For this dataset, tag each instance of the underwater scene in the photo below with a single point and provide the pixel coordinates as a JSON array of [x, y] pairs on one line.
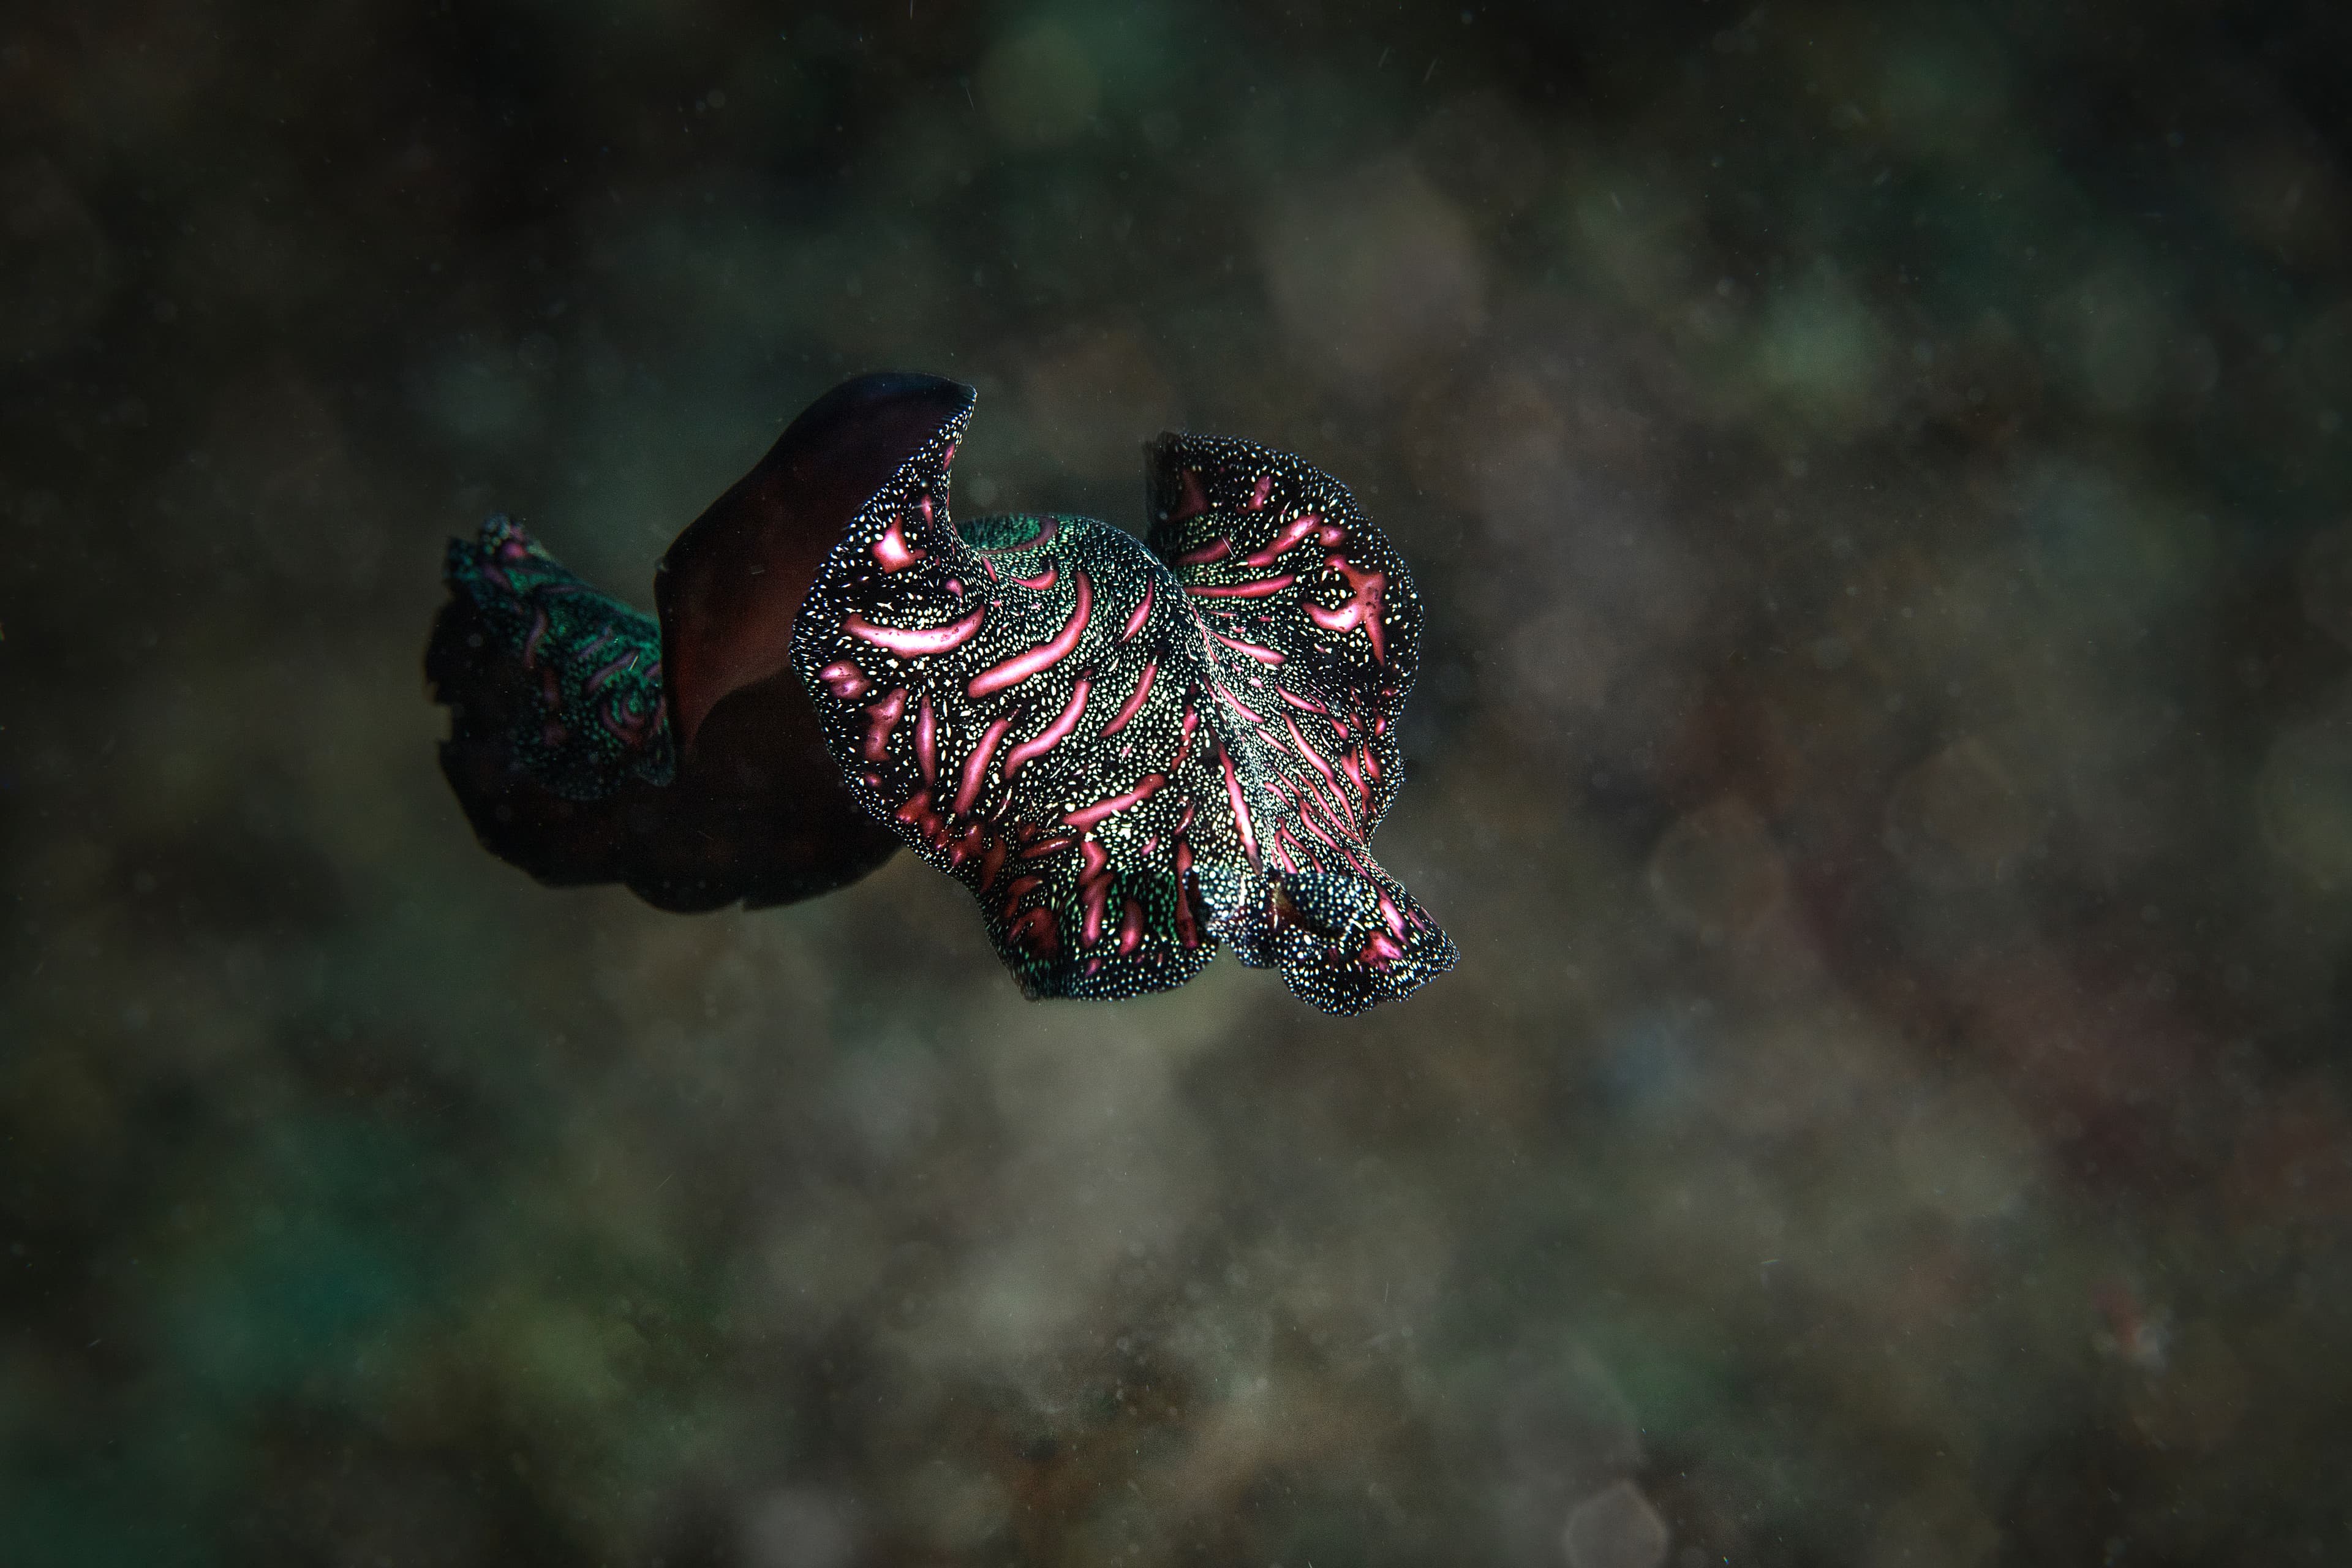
[[827, 786]]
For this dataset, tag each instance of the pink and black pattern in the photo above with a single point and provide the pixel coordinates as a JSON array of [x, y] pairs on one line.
[[1129, 754]]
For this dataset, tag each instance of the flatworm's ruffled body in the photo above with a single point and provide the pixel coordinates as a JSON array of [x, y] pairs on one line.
[[1130, 753]]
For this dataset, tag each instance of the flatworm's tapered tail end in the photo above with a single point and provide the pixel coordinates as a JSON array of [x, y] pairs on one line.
[[1345, 942], [554, 697], [561, 754], [560, 842]]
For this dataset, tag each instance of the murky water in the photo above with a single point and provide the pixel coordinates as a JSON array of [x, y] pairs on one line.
[[1877, 484]]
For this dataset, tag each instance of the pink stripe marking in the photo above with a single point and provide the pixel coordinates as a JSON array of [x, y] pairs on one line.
[[1259, 491], [1371, 763], [1142, 612], [1237, 705], [1281, 855], [1094, 892], [1265, 587], [1344, 818], [892, 550], [1312, 799], [1052, 735], [926, 740], [1020, 888], [1035, 930], [1306, 820], [1304, 704], [882, 718], [975, 767], [1362, 608], [916, 813], [1306, 800], [917, 641], [1355, 775], [843, 679], [1314, 758], [1241, 810], [1296, 528], [1088, 817], [1022, 666], [1335, 807], [1043, 847], [1266, 656], [1193, 501], [1216, 549], [1130, 928], [1183, 749], [1134, 703], [596, 681], [1043, 581], [1320, 767]]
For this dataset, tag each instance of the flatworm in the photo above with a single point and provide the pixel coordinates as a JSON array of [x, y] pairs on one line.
[[1127, 751]]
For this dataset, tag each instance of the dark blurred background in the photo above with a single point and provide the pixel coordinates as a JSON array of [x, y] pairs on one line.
[[1879, 475]]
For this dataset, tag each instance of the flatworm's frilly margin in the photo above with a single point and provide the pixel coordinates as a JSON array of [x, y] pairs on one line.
[[1130, 753]]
